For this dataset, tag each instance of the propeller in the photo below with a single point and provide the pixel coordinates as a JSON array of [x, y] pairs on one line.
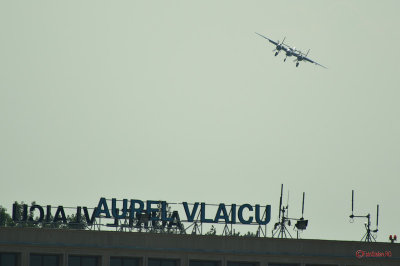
[[280, 44]]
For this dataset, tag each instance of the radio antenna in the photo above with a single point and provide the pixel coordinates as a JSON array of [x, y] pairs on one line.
[[368, 236], [302, 208], [280, 228], [280, 202], [377, 218], [301, 223], [352, 202], [287, 205]]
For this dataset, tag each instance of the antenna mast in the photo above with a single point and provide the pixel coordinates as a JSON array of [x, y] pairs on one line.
[[368, 236], [301, 223], [280, 228]]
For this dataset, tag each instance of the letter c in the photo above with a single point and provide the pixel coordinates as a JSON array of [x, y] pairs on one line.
[[240, 214]]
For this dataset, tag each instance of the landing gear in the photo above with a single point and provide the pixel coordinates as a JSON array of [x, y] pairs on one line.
[[284, 60], [276, 53], [297, 64]]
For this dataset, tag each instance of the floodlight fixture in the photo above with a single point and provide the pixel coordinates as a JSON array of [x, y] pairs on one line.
[[301, 224]]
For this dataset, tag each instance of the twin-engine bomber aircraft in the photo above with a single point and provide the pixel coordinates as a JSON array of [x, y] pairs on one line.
[[289, 51]]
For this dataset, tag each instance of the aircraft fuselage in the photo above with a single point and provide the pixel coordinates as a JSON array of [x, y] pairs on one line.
[[289, 52]]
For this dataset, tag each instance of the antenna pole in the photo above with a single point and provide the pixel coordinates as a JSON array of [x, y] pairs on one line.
[[368, 236], [368, 239], [287, 204], [352, 202], [377, 216], [280, 227], [280, 202], [302, 209]]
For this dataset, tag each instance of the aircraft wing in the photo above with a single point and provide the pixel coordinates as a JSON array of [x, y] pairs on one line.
[[311, 61], [271, 41]]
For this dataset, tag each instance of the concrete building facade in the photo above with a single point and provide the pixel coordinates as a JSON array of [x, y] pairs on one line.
[[56, 247]]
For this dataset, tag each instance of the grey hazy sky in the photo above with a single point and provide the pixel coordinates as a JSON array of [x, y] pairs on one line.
[[181, 101]]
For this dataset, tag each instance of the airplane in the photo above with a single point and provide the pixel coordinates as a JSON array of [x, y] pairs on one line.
[[289, 51]]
